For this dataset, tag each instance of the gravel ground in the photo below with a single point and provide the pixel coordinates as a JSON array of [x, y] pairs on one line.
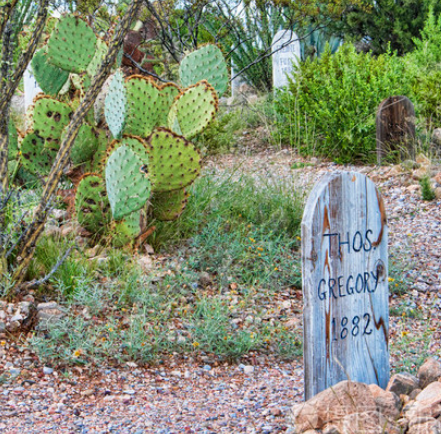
[[194, 396]]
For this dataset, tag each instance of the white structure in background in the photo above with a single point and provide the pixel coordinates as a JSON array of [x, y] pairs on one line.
[[31, 87], [237, 82], [283, 58]]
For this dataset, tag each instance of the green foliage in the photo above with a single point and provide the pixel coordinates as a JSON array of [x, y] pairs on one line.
[[207, 63], [174, 162], [330, 106], [193, 110], [115, 105], [50, 117], [72, 44], [37, 157], [49, 77], [427, 191], [92, 205], [386, 24], [127, 182]]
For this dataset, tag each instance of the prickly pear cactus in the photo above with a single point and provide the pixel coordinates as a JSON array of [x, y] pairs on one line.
[[142, 106], [71, 45], [193, 110], [167, 94], [125, 231], [127, 181], [85, 145], [100, 52], [206, 63], [37, 156], [174, 162], [115, 105], [50, 78], [50, 117], [91, 204], [136, 144], [169, 205]]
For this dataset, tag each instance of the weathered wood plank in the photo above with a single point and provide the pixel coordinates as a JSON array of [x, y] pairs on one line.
[[395, 125], [345, 283]]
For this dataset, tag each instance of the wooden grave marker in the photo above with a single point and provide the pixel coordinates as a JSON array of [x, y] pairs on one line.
[[395, 125], [345, 283]]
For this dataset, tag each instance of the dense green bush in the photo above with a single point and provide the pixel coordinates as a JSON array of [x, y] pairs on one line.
[[329, 107], [330, 104]]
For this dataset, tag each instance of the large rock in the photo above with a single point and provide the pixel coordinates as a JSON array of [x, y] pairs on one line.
[[424, 425], [403, 383], [48, 314], [427, 403], [429, 372], [370, 422], [332, 405], [387, 403]]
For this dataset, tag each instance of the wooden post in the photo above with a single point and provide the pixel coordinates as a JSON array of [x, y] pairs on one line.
[[395, 124], [345, 283]]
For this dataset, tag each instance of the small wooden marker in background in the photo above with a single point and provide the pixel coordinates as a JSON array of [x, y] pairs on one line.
[[345, 283], [395, 125]]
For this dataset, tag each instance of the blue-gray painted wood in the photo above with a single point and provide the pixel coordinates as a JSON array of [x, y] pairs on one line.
[[345, 283]]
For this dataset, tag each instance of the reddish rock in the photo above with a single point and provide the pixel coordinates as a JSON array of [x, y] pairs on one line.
[[425, 425], [403, 384], [429, 372], [332, 405], [388, 403]]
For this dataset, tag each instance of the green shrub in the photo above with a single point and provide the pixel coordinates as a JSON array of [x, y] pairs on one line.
[[427, 192], [330, 105]]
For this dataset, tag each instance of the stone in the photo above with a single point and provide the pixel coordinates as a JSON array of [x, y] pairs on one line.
[[59, 214], [438, 192], [433, 390], [424, 408], [145, 262], [423, 160], [47, 370], [332, 405], [387, 403], [205, 279], [330, 429], [369, 422], [403, 383], [424, 426], [345, 283], [250, 369], [48, 314], [286, 53], [52, 231], [436, 136], [409, 165], [421, 172]]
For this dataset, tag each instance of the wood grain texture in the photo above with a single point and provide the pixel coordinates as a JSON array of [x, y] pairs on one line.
[[345, 283], [395, 125]]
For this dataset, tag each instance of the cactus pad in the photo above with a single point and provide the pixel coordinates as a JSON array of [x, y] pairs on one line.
[[37, 157], [85, 145], [193, 110], [136, 144], [126, 230], [13, 141], [169, 205], [142, 106], [174, 162], [50, 117], [206, 63], [91, 204], [100, 53], [127, 181], [168, 93], [50, 78], [115, 105], [71, 45]]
